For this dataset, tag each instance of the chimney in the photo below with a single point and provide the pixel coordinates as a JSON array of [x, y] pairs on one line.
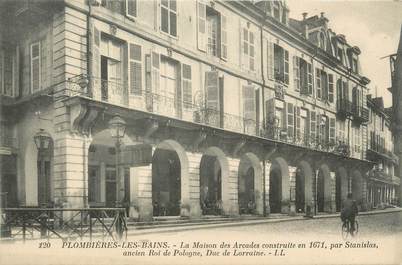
[[304, 14], [322, 14]]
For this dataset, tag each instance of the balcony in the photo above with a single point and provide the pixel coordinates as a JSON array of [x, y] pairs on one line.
[[344, 107], [169, 106], [360, 113], [376, 150]]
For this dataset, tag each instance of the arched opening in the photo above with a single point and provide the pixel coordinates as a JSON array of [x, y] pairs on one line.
[[103, 178], [249, 185], [210, 185], [279, 186], [341, 187], [166, 183], [214, 186], [303, 192], [323, 189]]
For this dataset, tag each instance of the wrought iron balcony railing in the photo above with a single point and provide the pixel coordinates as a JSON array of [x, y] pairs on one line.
[[344, 107], [170, 106], [360, 113]]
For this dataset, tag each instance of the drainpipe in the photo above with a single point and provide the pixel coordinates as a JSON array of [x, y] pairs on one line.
[[89, 50], [264, 193]]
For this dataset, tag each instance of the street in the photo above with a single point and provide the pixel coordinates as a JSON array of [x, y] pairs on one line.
[[314, 241]]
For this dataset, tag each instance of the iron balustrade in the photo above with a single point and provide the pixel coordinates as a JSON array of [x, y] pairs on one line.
[[171, 106], [344, 107], [64, 223]]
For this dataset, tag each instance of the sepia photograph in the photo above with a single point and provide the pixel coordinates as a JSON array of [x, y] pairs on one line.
[[200, 132]]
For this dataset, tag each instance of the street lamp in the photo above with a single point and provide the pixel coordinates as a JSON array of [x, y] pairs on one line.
[[117, 128], [42, 141]]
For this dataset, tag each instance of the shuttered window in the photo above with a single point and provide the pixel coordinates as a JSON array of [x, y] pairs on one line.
[[248, 48], [224, 48], [332, 130], [270, 60], [249, 103], [296, 72], [318, 82], [35, 67], [169, 17], [251, 50], [7, 70], [290, 120], [155, 72], [331, 88], [131, 8], [187, 89], [212, 95], [298, 119], [313, 125], [201, 26], [135, 69], [310, 78], [286, 66]]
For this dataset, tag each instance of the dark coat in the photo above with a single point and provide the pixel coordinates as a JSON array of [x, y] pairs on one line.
[[349, 208]]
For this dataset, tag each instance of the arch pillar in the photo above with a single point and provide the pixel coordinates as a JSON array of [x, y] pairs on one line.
[[193, 201], [292, 191], [267, 170], [230, 198]]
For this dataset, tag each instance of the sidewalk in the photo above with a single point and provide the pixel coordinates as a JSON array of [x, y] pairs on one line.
[[132, 231]]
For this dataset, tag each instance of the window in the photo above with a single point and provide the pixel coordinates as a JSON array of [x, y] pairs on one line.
[[303, 76], [325, 85], [355, 67], [321, 41], [169, 17], [277, 12], [281, 64], [212, 32], [35, 67], [8, 72], [114, 5], [187, 89], [340, 55], [131, 8], [248, 48], [135, 70]]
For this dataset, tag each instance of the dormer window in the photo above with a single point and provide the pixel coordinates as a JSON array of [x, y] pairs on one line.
[[277, 12], [321, 41], [340, 55]]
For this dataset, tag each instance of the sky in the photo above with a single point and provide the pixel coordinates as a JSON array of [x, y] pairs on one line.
[[373, 26]]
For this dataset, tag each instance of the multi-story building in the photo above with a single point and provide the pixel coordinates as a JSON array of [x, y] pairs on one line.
[[230, 107], [383, 185]]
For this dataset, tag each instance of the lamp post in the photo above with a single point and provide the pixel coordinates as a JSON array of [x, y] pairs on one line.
[[42, 141], [117, 128]]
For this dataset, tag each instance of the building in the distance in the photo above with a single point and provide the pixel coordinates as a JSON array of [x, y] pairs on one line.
[[383, 185], [215, 107]]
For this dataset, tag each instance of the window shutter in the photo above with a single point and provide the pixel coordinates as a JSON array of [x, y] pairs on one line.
[[249, 109], [290, 120], [131, 8], [332, 130], [331, 88], [324, 85], [251, 50], [318, 82], [187, 89], [313, 126], [244, 46], [345, 90], [9, 62], [249, 103], [201, 25], [286, 66], [310, 78], [155, 72], [35, 67], [296, 73], [135, 69], [298, 132], [212, 102], [270, 60], [270, 112], [224, 48]]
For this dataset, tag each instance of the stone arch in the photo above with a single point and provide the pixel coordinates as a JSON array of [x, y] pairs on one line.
[[215, 197], [172, 150], [250, 167], [279, 186], [304, 187], [341, 190], [324, 189]]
